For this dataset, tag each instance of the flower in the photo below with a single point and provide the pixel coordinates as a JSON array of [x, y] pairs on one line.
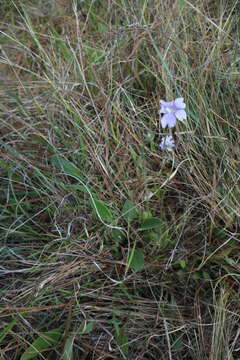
[[167, 143], [172, 111]]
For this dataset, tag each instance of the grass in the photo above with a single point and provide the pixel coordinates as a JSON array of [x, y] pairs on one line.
[[110, 247]]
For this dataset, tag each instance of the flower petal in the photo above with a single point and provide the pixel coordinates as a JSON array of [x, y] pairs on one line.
[[167, 103], [179, 103], [168, 120], [163, 103], [167, 143], [181, 115], [162, 110]]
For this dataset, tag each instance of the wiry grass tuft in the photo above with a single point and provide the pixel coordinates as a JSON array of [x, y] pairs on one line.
[[110, 247]]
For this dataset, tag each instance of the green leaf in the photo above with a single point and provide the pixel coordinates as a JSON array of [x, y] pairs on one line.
[[116, 323], [6, 330], [181, 4], [206, 275], [43, 342], [151, 223], [88, 328], [196, 276], [182, 263], [68, 348], [118, 235], [41, 140], [66, 166], [102, 27], [146, 215], [85, 328], [129, 211], [136, 260], [11, 150], [230, 261], [102, 211], [122, 341]]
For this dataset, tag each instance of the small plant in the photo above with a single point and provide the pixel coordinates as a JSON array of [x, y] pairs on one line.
[[167, 143], [172, 111]]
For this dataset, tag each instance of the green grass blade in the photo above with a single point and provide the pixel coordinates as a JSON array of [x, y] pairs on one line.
[[43, 342], [6, 330]]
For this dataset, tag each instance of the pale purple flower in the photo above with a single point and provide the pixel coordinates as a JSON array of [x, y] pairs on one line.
[[172, 111], [167, 143]]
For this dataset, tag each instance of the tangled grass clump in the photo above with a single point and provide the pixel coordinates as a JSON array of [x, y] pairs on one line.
[[110, 247]]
